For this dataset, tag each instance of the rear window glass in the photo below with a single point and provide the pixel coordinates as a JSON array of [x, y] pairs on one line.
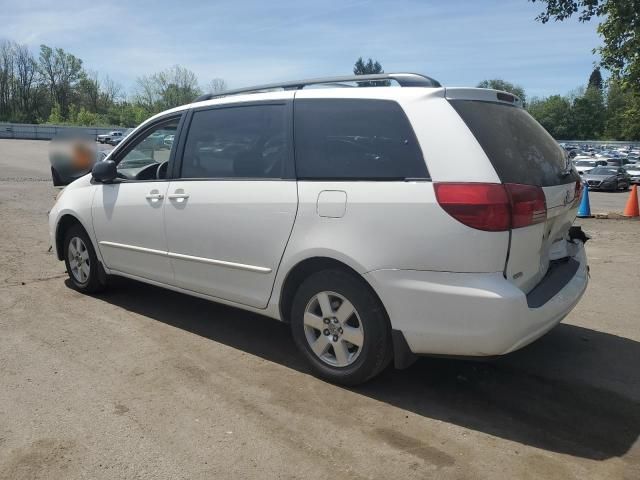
[[519, 148], [355, 139]]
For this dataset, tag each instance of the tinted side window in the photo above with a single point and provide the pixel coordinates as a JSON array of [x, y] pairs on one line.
[[237, 142], [355, 139]]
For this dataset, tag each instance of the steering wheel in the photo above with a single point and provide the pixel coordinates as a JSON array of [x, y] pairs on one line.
[[161, 172]]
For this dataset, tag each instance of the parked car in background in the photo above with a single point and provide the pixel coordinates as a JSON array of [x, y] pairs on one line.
[[117, 139], [168, 140], [607, 178], [617, 162], [370, 250], [106, 137], [583, 166], [633, 170]]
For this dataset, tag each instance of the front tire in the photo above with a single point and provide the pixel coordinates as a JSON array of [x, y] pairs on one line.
[[340, 327], [84, 269]]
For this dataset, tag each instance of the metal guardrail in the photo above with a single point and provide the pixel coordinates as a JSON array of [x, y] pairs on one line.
[[47, 132]]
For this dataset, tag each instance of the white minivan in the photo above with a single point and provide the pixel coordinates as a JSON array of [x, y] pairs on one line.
[[382, 216]]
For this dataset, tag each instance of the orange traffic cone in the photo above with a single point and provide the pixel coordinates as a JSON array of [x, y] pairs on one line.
[[631, 210]]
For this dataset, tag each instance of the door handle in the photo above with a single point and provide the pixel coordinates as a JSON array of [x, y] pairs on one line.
[[154, 196], [178, 196]]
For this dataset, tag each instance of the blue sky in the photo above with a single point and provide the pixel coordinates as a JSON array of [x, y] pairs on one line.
[[248, 42]]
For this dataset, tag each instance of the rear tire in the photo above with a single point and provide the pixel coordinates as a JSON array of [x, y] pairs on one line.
[[341, 327], [84, 269]]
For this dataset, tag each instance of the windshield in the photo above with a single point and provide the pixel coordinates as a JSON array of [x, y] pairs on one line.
[[150, 149], [603, 171], [585, 163]]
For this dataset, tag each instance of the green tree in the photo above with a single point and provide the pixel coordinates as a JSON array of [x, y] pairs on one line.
[[617, 103], [588, 115], [87, 118], [55, 117], [26, 95], [7, 67], [595, 79], [217, 85], [88, 92], [499, 84], [127, 114], [623, 113], [631, 118], [167, 89], [554, 114], [369, 67], [619, 28], [62, 71]]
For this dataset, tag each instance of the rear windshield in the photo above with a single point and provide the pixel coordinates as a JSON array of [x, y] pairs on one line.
[[519, 148]]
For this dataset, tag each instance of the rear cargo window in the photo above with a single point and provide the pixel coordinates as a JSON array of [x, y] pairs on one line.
[[355, 139], [519, 148]]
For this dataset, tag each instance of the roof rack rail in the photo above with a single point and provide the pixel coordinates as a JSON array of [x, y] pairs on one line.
[[403, 79]]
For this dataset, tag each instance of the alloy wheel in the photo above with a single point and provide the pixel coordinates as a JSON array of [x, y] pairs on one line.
[[79, 262], [333, 329]]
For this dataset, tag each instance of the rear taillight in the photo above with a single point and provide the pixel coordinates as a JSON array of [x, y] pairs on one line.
[[528, 205], [492, 207]]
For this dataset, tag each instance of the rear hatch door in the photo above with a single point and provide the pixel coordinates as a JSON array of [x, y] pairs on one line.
[[523, 152]]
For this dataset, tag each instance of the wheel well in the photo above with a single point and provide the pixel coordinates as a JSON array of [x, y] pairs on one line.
[[63, 225], [302, 271]]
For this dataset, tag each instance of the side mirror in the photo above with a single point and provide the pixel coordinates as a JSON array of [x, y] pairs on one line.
[[104, 171]]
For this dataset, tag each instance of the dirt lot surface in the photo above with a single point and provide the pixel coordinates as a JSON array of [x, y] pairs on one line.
[[608, 202], [140, 382]]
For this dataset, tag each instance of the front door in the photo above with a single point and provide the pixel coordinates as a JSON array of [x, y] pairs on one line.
[[229, 215], [128, 216]]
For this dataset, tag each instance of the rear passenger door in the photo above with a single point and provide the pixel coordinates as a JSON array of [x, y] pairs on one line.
[[231, 208]]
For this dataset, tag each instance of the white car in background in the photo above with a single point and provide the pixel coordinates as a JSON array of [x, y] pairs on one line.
[[396, 222], [107, 137], [584, 166], [633, 169]]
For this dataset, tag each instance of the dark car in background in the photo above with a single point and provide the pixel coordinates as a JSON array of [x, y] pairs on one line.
[[607, 178]]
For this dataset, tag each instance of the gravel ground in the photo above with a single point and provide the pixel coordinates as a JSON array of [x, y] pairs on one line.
[[608, 202], [139, 382]]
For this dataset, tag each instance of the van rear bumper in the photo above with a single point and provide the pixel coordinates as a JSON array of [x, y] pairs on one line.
[[477, 314]]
